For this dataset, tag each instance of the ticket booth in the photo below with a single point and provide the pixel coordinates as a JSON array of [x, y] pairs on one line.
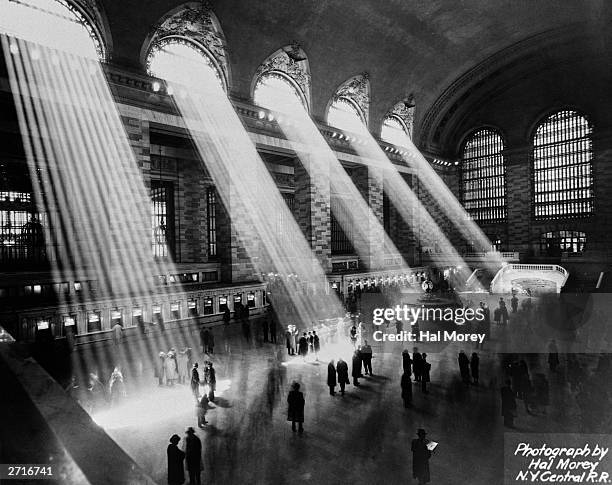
[[137, 318], [157, 317], [116, 317], [175, 310], [251, 300], [208, 306], [222, 304], [94, 321], [192, 307]]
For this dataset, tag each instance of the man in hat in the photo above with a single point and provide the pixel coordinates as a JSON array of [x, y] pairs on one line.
[[193, 456], [420, 458], [176, 471]]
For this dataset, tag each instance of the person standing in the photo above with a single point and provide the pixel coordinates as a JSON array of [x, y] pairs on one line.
[[183, 370], [204, 336], [343, 376], [406, 385], [176, 469], [295, 412], [425, 368], [193, 456], [420, 458], [117, 333], [201, 409], [503, 312], [272, 329], [417, 364], [303, 346], [464, 367], [508, 404], [514, 303], [366, 355], [289, 341], [316, 343], [356, 368], [210, 379], [171, 368], [331, 378], [475, 367], [160, 369], [195, 382], [406, 362]]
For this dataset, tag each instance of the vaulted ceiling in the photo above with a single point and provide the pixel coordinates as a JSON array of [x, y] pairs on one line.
[[419, 47]]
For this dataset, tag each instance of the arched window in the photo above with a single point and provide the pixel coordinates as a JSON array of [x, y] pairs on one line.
[[562, 154], [282, 81], [557, 242], [346, 115], [54, 23], [183, 62], [350, 104], [483, 176], [394, 131], [277, 92]]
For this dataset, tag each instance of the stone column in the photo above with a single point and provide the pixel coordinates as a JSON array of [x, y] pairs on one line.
[[312, 208], [369, 182]]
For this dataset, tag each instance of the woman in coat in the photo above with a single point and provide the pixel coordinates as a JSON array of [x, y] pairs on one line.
[[475, 367], [171, 368], [331, 378], [420, 458], [343, 375], [295, 413], [176, 470], [303, 346]]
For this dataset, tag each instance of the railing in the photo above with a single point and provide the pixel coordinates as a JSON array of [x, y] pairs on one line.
[[530, 267]]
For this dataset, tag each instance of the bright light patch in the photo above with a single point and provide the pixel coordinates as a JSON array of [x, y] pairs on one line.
[[393, 131], [182, 62], [52, 23], [344, 114], [168, 404], [275, 92]]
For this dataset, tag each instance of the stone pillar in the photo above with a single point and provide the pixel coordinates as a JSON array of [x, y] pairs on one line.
[[312, 208], [369, 182]]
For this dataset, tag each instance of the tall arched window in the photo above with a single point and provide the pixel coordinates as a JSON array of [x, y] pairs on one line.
[[483, 176], [277, 92], [182, 61], [349, 107], [562, 172], [394, 131], [53, 23]]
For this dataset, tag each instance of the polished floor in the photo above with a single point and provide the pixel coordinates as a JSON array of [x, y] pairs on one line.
[[360, 438]]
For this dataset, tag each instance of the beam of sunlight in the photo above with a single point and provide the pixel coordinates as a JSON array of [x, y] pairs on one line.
[[247, 190], [351, 209]]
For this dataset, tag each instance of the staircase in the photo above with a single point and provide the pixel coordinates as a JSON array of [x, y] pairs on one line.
[[535, 278]]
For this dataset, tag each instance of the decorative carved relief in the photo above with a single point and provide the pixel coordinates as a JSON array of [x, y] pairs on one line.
[[404, 110], [197, 24], [357, 89], [291, 61], [91, 16]]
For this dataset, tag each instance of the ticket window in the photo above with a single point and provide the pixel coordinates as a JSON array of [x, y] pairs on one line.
[[116, 318], [222, 304], [157, 316], [237, 299], [43, 329], [251, 300], [137, 318], [264, 295], [69, 324], [192, 307], [175, 310], [94, 322], [208, 306]]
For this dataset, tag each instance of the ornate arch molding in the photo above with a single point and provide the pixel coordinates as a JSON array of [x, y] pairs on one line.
[[404, 112], [355, 90], [93, 17], [290, 62], [456, 98], [196, 23]]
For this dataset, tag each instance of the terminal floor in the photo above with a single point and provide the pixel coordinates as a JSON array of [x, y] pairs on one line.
[[361, 438]]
